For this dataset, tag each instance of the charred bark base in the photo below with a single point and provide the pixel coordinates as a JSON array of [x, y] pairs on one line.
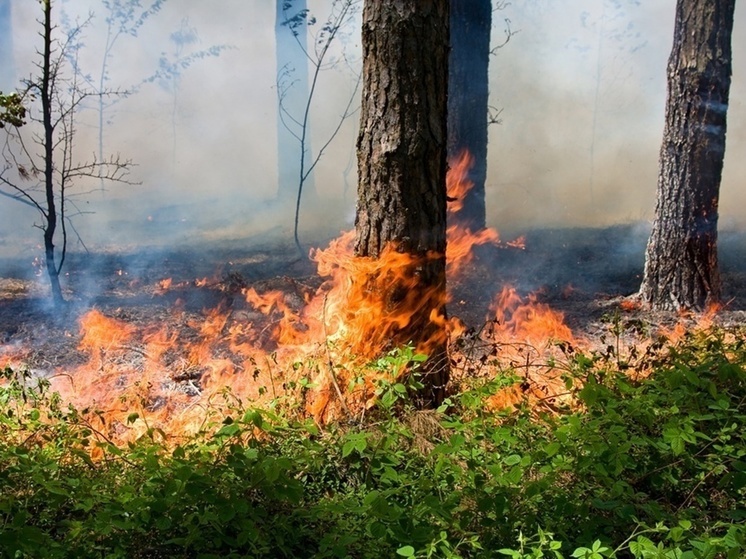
[[468, 101], [681, 272], [52, 272], [681, 261], [402, 166]]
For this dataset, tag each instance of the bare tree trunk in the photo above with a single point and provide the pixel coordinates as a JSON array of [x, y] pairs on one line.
[[681, 264], [402, 163], [51, 211], [468, 97]]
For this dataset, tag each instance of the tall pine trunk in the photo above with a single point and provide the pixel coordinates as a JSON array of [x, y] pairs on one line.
[[468, 97], [681, 264], [402, 162]]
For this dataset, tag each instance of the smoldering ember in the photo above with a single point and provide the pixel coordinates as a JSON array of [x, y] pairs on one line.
[[299, 205]]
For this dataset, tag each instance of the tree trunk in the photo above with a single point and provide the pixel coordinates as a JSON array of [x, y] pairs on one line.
[[46, 105], [292, 80], [681, 265], [402, 164], [468, 96]]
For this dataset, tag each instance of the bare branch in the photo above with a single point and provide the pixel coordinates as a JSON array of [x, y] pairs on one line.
[[508, 34]]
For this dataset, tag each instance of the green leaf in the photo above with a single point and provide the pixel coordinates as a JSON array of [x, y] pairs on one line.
[[512, 460], [552, 449], [685, 524], [229, 430], [406, 551], [347, 448], [400, 388]]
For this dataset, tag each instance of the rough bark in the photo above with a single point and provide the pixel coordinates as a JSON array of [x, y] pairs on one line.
[[402, 160], [468, 96], [681, 264]]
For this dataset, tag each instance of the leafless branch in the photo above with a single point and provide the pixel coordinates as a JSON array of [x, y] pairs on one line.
[[493, 115], [508, 35]]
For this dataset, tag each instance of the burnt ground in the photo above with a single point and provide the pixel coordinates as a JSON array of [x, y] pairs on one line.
[[583, 273]]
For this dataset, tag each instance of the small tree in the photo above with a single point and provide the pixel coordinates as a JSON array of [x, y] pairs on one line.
[[291, 40], [123, 18], [40, 168], [296, 119]]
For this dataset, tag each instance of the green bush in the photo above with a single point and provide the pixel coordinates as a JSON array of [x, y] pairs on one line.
[[654, 468]]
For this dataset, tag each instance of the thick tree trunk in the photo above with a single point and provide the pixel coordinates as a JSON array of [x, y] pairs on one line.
[[402, 163], [681, 265], [468, 96]]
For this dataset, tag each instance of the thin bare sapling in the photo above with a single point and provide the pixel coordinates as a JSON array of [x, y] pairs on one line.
[[40, 167], [321, 57]]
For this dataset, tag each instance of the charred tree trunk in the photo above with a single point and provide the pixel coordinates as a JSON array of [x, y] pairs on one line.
[[468, 96], [46, 94], [681, 265], [402, 162]]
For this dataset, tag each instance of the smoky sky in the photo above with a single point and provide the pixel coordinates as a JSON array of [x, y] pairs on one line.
[[6, 46], [581, 86]]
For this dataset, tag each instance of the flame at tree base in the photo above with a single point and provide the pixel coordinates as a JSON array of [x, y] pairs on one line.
[[310, 351]]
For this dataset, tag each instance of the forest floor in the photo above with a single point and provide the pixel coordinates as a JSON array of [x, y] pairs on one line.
[[584, 274]]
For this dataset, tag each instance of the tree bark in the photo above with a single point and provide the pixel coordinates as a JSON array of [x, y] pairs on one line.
[[402, 164], [468, 97], [681, 264], [47, 81]]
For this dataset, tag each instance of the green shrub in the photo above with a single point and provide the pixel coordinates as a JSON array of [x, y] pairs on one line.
[[647, 469]]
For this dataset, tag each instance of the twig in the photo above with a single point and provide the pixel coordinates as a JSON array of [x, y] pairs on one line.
[[330, 362]]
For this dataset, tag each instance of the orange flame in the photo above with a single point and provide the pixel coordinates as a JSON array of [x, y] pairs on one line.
[[527, 321], [461, 241], [168, 373]]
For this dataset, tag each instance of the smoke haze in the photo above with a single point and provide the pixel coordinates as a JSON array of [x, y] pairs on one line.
[[581, 86]]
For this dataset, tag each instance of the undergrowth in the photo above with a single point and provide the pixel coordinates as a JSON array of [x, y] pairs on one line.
[[651, 468]]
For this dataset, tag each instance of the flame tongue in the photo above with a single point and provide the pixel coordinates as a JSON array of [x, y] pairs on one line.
[[372, 301], [461, 240], [527, 321], [364, 307]]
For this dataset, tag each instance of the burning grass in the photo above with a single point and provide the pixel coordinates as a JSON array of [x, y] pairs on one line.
[[229, 417], [167, 349], [638, 467]]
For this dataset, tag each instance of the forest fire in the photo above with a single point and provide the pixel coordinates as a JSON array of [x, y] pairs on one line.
[[461, 241], [166, 373], [311, 347]]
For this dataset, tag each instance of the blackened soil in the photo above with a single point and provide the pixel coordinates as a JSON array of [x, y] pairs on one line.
[[583, 273]]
